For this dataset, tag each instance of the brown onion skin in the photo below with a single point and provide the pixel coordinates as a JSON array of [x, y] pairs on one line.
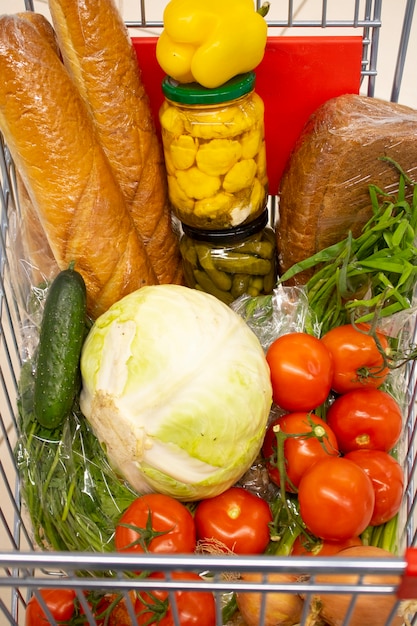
[[282, 609], [370, 609]]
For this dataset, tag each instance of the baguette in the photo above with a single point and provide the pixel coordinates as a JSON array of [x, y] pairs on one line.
[[39, 261], [99, 55], [37, 256], [43, 26], [53, 143], [324, 190]]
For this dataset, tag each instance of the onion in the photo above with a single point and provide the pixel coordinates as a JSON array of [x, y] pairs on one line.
[[370, 609], [282, 609]]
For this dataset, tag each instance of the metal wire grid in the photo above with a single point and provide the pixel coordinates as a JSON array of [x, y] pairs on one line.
[[23, 569], [366, 16]]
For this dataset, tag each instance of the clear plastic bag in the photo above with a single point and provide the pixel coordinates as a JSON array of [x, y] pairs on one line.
[[70, 493]]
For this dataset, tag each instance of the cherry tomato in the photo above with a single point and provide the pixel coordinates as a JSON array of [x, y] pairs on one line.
[[60, 602], [237, 518], [387, 478], [195, 608], [299, 452], [304, 547], [301, 371], [156, 523], [336, 499], [357, 359], [365, 418]]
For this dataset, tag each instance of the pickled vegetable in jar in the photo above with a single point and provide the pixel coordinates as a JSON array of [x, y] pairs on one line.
[[233, 262], [214, 147]]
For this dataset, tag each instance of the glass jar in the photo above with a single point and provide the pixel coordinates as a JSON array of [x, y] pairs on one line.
[[230, 263], [214, 147]]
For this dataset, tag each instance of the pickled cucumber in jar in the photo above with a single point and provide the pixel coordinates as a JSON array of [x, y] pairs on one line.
[[231, 263], [214, 148]]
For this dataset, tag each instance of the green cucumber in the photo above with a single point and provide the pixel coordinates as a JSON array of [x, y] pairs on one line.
[[62, 334]]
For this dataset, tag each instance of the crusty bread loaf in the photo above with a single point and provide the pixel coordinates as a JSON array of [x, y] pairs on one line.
[[324, 190], [36, 254], [98, 52], [70, 183], [43, 26]]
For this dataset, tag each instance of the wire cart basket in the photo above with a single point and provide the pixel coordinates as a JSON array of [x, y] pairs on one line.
[[24, 569]]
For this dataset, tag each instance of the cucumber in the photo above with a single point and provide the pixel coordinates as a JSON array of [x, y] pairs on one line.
[[62, 334]]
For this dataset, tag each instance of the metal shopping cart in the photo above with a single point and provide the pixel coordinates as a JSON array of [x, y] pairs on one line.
[[24, 569]]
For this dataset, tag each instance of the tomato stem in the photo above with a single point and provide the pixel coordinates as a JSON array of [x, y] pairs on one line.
[[284, 530], [145, 535], [283, 479], [294, 525], [157, 608], [362, 440]]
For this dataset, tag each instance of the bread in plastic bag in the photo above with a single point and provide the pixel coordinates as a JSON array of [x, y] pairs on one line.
[[324, 189]]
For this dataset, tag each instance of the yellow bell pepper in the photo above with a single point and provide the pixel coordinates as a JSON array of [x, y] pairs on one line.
[[211, 41]]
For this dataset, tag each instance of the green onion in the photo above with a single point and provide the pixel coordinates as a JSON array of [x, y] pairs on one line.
[[381, 262]]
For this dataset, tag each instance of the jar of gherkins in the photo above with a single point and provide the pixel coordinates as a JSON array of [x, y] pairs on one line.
[[214, 149], [233, 262]]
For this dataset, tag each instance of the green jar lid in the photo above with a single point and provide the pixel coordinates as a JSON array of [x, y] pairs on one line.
[[194, 93]]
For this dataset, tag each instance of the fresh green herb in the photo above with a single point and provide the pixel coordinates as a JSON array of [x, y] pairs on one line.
[[384, 536], [229, 607], [373, 274], [72, 495]]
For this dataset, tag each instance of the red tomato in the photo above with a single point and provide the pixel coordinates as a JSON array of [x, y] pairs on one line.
[[301, 371], [112, 610], [357, 359], [336, 499], [195, 608], [60, 602], [153, 513], [302, 547], [299, 452], [387, 478], [237, 518], [365, 418]]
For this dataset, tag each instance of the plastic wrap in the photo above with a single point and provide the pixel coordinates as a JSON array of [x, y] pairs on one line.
[[74, 495], [286, 310], [70, 493], [65, 170], [98, 53], [324, 189], [71, 497]]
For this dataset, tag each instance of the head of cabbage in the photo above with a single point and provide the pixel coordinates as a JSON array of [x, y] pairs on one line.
[[177, 389]]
